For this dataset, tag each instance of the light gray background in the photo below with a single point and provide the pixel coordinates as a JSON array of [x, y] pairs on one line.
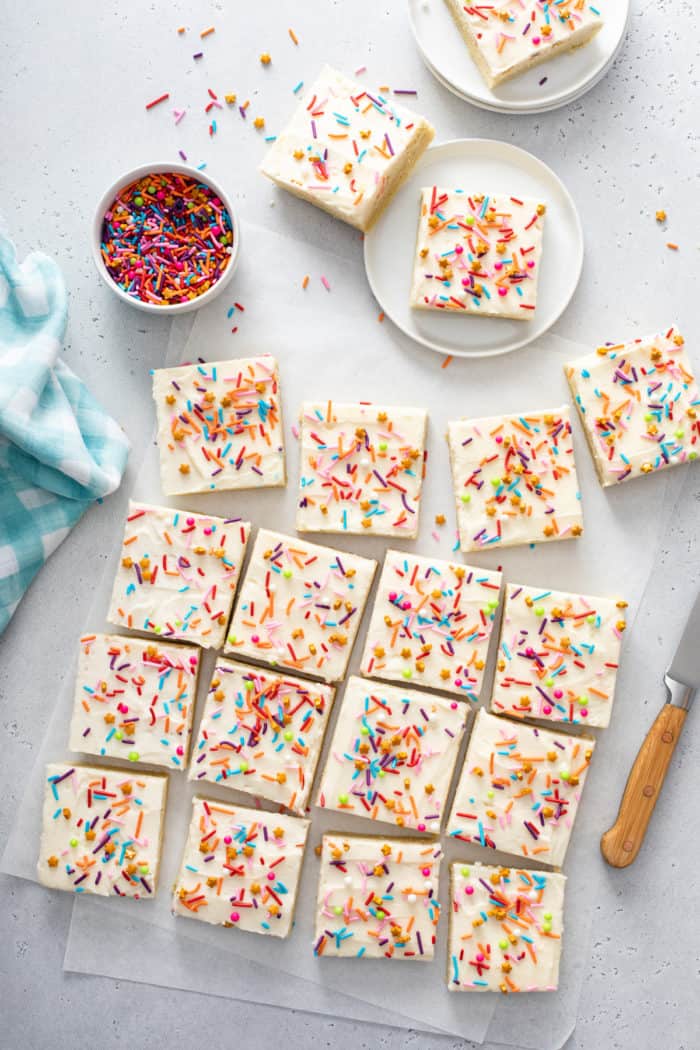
[[74, 79]]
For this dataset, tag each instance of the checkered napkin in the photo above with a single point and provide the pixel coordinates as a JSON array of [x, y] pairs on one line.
[[59, 450]]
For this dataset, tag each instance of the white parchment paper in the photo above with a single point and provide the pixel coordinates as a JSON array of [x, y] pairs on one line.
[[329, 344]]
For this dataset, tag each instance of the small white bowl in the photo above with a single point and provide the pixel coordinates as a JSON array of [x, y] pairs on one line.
[[106, 201]]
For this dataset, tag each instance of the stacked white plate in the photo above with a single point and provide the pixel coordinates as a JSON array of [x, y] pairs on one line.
[[545, 87]]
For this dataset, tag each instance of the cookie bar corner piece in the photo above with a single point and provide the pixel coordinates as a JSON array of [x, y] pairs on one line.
[[347, 149], [506, 928], [639, 404], [477, 255], [102, 830], [377, 898], [362, 469], [241, 868], [515, 479]]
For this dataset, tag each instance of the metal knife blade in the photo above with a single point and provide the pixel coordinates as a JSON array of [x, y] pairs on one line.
[[685, 666]]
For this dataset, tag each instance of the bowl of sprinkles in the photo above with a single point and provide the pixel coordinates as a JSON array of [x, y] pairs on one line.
[[165, 238]]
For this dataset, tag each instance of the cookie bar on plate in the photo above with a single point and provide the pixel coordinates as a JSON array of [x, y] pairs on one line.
[[102, 830], [300, 606], [508, 37], [262, 733], [519, 789], [134, 699], [431, 623], [362, 469], [241, 868], [392, 755], [178, 573], [377, 898], [505, 929], [558, 656], [346, 149], [514, 479], [639, 403], [477, 254], [219, 425]]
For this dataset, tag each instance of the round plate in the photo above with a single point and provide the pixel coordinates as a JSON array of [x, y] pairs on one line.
[[568, 75], [487, 167]]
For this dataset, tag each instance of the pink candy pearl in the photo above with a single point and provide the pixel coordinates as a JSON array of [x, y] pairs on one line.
[[535, 40], [255, 638], [123, 708], [479, 957], [421, 827], [393, 596], [235, 916], [499, 439], [498, 266], [180, 750], [227, 840], [190, 521], [271, 876], [584, 712], [458, 249], [454, 705], [530, 264], [426, 872], [458, 682], [405, 605], [558, 694], [502, 291], [547, 709], [469, 890]]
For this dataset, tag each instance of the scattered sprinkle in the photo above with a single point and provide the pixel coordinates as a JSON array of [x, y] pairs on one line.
[[324, 282], [447, 361], [157, 101], [265, 58], [207, 32], [293, 37], [661, 215]]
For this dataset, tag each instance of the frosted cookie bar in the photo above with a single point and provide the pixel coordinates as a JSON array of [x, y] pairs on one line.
[[431, 624], [505, 929], [477, 254], [509, 37], [178, 573], [514, 479], [346, 149], [392, 755], [377, 898], [558, 656], [241, 868], [519, 789], [362, 469], [262, 733], [300, 606], [219, 425], [134, 699], [102, 830], [639, 403]]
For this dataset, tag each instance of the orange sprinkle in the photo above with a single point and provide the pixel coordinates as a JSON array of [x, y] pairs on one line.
[[305, 282], [206, 32], [447, 361], [293, 36], [672, 246]]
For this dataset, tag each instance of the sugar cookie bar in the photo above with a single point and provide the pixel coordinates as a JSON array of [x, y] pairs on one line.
[[639, 403], [346, 149], [262, 733], [509, 37], [392, 755], [515, 479], [519, 789], [178, 574], [134, 699], [102, 830], [558, 656], [219, 425], [431, 624], [362, 469], [506, 929], [241, 868], [377, 898], [300, 606], [477, 255]]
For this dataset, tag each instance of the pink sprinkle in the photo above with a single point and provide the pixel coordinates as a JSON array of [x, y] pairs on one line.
[[326, 285], [179, 114], [362, 69]]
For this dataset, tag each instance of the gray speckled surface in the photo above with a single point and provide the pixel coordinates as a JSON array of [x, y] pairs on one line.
[[74, 81]]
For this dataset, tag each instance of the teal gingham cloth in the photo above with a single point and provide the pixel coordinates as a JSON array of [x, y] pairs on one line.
[[59, 450]]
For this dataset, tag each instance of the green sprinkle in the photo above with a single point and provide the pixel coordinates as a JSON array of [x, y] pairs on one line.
[[134, 756]]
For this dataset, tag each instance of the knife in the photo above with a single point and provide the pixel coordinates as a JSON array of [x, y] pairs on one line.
[[621, 844]]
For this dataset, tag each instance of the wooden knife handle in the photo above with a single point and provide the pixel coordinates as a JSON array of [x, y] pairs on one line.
[[621, 844]]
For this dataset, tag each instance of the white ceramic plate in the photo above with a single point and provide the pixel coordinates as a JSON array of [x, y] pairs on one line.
[[568, 75], [482, 166]]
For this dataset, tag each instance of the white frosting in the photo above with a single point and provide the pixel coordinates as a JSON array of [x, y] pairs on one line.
[[343, 145], [512, 35], [392, 755], [219, 425], [178, 573], [241, 868], [262, 733], [558, 656], [134, 699], [300, 606], [505, 929], [477, 254], [377, 898], [640, 405], [519, 789], [361, 469], [515, 479], [431, 624], [102, 830]]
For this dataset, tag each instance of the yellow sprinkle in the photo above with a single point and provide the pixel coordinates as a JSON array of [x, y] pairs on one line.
[[230, 100], [265, 58], [259, 122], [661, 215]]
